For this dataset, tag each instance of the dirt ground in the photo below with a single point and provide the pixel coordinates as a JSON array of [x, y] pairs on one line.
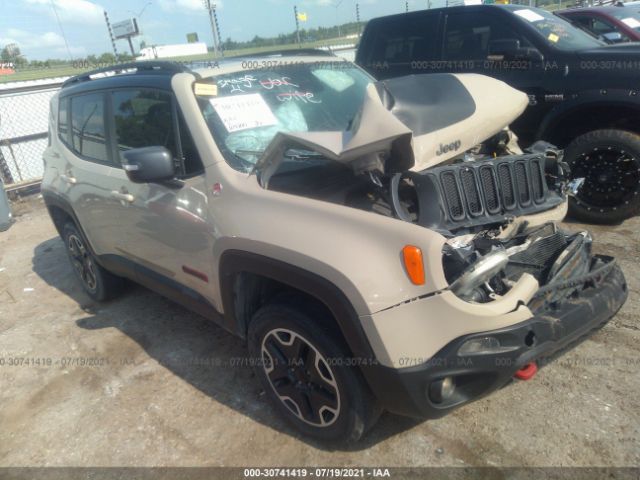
[[140, 381]]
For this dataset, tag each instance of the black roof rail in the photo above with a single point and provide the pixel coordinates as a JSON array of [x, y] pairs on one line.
[[293, 52], [141, 66]]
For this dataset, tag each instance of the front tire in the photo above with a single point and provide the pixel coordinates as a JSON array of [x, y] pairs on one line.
[[97, 282], [305, 372], [609, 162]]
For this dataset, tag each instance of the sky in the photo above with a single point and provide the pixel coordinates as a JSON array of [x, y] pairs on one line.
[[40, 27]]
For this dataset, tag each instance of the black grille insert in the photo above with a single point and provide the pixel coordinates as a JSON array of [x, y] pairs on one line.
[[453, 196], [524, 193], [507, 186], [490, 189], [470, 188]]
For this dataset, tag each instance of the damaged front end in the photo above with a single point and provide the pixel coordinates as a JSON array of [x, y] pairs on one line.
[[556, 264], [495, 205]]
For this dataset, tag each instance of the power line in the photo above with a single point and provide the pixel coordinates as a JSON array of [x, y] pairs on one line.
[[64, 37]]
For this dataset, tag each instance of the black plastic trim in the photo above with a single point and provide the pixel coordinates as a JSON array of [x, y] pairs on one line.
[[234, 262], [539, 339]]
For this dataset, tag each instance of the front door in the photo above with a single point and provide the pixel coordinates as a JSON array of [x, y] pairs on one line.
[[164, 229]]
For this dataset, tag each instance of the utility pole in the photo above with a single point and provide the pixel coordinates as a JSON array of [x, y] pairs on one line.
[[113, 42], [358, 12], [295, 14], [215, 21], [406, 6], [337, 5], [211, 9]]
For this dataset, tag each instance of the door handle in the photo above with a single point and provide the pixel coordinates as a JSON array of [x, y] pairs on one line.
[[126, 197], [68, 179]]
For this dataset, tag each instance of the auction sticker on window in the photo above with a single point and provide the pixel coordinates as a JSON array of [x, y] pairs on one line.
[[631, 22], [241, 112], [529, 15]]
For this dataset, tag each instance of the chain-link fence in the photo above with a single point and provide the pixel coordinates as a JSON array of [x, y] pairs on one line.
[[24, 112]]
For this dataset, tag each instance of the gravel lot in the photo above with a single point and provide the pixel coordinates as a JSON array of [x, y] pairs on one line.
[[140, 381]]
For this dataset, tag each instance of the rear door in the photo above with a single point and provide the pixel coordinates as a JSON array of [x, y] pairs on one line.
[[87, 165]]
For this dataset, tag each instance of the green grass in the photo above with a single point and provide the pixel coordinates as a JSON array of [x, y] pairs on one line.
[[68, 70]]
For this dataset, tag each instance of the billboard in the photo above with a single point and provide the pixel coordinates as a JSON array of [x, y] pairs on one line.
[[126, 28]]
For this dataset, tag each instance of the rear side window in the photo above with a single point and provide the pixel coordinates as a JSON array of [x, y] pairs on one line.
[[88, 132], [63, 120], [146, 118]]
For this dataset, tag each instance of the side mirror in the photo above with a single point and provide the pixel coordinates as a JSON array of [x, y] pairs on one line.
[[612, 37], [149, 164], [510, 49]]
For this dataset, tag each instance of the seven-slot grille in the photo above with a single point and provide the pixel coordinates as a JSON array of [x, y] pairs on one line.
[[494, 187]]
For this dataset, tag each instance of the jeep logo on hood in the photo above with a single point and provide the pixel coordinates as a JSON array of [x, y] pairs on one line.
[[451, 147]]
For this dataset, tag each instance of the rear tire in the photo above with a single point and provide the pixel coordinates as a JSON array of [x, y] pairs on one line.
[[609, 161], [97, 282], [305, 372]]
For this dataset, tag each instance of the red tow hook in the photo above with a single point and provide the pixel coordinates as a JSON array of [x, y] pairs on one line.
[[527, 372]]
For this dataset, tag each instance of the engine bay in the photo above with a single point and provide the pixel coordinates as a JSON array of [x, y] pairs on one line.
[[480, 204]]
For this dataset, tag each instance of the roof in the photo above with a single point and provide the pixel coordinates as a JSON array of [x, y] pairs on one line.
[[242, 64], [603, 9], [453, 9], [159, 73]]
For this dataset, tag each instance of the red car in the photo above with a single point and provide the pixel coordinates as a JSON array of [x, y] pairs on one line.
[[614, 24]]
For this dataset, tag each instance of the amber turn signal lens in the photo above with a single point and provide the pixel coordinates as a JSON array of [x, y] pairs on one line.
[[413, 263]]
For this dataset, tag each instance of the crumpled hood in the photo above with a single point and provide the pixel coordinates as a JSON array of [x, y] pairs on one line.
[[409, 123]]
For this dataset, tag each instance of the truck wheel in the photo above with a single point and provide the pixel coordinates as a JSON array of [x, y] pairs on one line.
[[303, 371], [609, 162], [97, 282]]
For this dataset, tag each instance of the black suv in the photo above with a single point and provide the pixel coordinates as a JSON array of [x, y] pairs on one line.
[[583, 94]]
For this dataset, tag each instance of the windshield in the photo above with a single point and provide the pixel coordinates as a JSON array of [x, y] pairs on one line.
[[555, 31], [631, 18], [244, 110]]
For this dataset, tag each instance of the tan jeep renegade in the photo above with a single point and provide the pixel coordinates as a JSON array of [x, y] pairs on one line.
[[379, 245]]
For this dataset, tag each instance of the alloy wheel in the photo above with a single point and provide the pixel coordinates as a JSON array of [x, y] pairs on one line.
[[301, 377], [611, 178], [82, 262]]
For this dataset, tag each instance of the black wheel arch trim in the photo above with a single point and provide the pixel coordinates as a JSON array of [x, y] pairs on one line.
[[617, 98], [233, 262], [52, 199]]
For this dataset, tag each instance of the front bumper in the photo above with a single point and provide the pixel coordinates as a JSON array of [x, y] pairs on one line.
[[552, 330]]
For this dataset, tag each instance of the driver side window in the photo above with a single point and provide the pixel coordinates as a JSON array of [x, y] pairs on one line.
[[468, 35], [145, 118]]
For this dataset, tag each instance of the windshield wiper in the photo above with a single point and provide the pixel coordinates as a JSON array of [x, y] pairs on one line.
[[290, 154], [302, 154]]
